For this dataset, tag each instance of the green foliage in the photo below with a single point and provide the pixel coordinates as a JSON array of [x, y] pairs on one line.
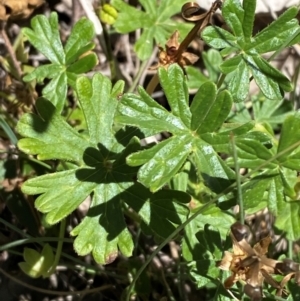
[[248, 49], [66, 62], [100, 157], [202, 247], [37, 264], [186, 124], [164, 187], [155, 22]]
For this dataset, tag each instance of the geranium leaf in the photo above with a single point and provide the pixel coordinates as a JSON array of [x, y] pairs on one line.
[[290, 134], [154, 21], [177, 93], [216, 113], [66, 62], [161, 162], [248, 49]]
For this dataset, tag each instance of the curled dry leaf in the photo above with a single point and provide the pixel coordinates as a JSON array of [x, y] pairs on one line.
[[252, 266], [170, 55], [18, 9]]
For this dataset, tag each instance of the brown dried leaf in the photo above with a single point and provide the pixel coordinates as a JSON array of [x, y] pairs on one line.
[[262, 246], [17, 9], [171, 56]]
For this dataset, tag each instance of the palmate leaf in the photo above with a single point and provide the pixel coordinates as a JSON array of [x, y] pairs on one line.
[[66, 62], [263, 111], [154, 21], [275, 186], [248, 60], [186, 124], [101, 173], [202, 246]]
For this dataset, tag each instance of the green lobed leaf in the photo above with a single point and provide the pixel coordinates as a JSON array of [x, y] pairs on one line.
[[292, 161], [221, 141], [238, 80], [155, 22], [161, 210], [41, 72], [49, 136], [129, 18], [202, 247], [209, 111], [83, 65], [254, 191], [275, 195], [288, 219], [290, 135], [233, 14], [143, 111], [79, 41], [103, 172], [240, 19], [165, 163], [99, 112], [214, 171], [265, 110], [37, 264], [288, 179], [103, 230], [176, 92], [218, 38], [212, 60], [161, 162], [274, 35], [252, 153], [271, 73], [45, 37], [230, 65], [67, 63], [249, 15], [56, 91], [145, 155]]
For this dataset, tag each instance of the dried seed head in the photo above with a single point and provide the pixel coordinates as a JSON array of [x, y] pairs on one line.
[[255, 293], [239, 231]]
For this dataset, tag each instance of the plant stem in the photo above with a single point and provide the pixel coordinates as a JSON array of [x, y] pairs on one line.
[[137, 77], [32, 240], [52, 292], [59, 246], [11, 52], [238, 180], [152, 84]]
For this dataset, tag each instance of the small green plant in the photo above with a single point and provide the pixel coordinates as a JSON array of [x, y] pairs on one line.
[[186, 185]]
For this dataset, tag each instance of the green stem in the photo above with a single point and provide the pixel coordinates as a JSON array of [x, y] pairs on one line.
[[33, 240], [138, 76], [238, 181], [59, 246], [53, 292]]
